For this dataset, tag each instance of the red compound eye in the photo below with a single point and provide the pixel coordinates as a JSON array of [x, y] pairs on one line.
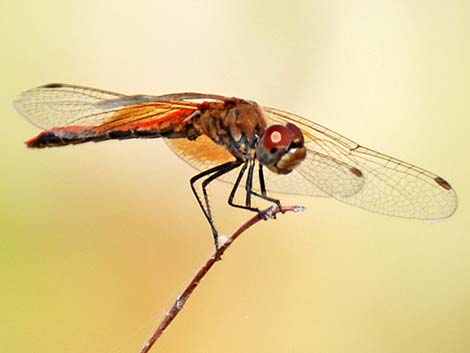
[[281, 148], [278, 136]]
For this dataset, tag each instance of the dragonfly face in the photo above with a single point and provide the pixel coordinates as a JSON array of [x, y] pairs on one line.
[[281, 148]]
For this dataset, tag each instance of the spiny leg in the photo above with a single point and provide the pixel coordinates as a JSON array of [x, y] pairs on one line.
[[211, 178], [249, 184], [262, 187], [249, 188], [212, 174], [235, 189]]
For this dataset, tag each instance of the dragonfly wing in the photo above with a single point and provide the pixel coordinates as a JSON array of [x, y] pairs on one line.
[[368, 179], [293, 183], [59, 105], [202, 153]]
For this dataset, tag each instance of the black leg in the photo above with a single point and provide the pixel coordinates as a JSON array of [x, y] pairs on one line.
[[235, 188], [249, 188], [267, 198], [249, 184], [217, 172], [213, 174], [262, 186]]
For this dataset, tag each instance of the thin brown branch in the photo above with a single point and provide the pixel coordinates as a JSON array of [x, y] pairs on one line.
[[270, 212]]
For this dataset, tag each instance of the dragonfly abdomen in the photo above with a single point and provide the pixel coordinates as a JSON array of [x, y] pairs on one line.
[[70, 136]]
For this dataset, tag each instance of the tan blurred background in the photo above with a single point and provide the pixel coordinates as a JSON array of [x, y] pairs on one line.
[[97, 240]]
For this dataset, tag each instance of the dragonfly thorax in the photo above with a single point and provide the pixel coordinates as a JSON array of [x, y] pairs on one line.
[[235, 124]]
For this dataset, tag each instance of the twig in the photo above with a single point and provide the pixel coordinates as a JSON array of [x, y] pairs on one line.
[[270, 212]]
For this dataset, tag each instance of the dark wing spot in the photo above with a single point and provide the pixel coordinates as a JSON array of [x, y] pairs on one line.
[[442, 182], [356, 172], [53, 85]]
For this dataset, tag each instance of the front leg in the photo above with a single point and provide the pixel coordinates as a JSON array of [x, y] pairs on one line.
[[249, 188], [247, 205]]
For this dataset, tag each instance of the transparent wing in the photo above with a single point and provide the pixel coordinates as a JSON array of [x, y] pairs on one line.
[[368, 179], [60, 105]]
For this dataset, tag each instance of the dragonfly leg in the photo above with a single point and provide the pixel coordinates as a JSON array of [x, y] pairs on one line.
[[249, 184], [211, 175], [247, 205], [262, 187], [249, 190]]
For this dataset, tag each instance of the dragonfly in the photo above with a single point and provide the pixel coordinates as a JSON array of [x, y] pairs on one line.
[[257, 148]]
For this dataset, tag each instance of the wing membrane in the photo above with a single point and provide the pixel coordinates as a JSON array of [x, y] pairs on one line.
[[61, 105], [389, 186]]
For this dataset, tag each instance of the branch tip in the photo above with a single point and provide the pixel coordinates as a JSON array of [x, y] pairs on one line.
[[181, 300]]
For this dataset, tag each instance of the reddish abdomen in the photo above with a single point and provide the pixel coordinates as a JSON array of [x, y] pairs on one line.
[[70, 136], [174, 125]]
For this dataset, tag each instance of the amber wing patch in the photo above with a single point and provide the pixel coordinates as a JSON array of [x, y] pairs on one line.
[[202, 153]]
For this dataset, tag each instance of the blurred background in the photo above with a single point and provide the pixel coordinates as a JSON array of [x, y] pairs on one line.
[[97, 240]]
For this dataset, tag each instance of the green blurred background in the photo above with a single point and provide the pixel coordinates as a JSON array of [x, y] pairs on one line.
[[97, 240]]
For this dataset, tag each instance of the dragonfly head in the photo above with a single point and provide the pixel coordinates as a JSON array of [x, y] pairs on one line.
[[281, 148]]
